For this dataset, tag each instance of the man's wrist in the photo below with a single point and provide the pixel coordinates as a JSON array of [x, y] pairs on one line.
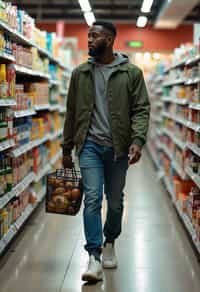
[[139, 142]]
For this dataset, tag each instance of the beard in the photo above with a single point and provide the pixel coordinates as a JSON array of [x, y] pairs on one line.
[[98, 51]]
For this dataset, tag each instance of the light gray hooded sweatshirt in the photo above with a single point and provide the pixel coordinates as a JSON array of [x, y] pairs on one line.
[[100, 130]]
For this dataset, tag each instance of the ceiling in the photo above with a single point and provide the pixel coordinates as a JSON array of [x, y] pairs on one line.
[[113, 10]]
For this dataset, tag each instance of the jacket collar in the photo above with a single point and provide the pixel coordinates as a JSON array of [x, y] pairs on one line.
[[89, 67]]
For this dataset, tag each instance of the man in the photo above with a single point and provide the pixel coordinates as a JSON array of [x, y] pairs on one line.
[[107, 121]]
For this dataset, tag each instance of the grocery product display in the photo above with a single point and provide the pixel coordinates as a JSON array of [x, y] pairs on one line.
[[174, 141], [33, 89]]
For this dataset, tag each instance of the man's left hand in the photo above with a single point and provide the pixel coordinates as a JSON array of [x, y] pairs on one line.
[[135, 152]]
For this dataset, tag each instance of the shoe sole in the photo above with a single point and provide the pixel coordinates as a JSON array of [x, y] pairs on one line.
[[91, 278]]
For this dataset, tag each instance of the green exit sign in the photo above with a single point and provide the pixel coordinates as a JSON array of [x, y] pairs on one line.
[[135, 44]]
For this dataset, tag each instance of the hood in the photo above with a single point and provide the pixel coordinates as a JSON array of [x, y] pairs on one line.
[[119, 59]]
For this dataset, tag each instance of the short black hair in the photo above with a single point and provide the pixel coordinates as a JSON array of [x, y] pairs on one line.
[[107, 25]]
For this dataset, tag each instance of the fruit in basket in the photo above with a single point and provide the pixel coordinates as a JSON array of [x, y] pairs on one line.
[[58, 183], [68, 195], [58, 191], [76, 193], [69, 185], [60, 201]]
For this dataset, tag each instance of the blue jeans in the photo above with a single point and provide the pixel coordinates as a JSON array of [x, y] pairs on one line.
[[99, 169]]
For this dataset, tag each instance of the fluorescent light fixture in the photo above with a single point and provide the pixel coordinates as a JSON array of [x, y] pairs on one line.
[[141, 21], [146, 6], [85, 5], [89, 17]]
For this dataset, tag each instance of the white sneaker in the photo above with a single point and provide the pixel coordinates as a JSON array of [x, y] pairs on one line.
[[94, 271], [109, 260]]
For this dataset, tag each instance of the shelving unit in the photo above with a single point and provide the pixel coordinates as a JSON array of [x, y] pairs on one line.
[[172, 126], [51, 109]]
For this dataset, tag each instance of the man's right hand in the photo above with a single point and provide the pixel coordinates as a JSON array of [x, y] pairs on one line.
[[67, 161]]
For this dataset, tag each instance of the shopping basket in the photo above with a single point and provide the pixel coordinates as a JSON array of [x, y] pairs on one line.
[[64, 192]]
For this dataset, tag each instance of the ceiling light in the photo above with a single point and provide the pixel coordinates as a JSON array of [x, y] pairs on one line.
[[141, 21], [85, 5], [146, 6], [89, 17]]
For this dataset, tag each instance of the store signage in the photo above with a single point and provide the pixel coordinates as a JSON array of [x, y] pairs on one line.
[[134, 44]]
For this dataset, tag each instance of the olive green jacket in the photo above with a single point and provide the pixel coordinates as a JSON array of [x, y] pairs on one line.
[[128, 104]]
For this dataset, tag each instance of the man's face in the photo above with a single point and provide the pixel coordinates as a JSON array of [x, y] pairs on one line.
[[98, 41]]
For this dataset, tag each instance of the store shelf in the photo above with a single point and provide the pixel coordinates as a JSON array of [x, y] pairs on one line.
[[15, 35], [193, 61], [179, 169], [176, 140], [188, 225], [14, 229], [62, 110], [193, 126], [169, 187], [156, 118], [7, 102], [192, 81], [194, 148], [181, 101], [7, 57], [24, 113], [41, 194], [56, 157], [167, 151], [26, 71], [27, 147], [195, 177], [195, 106], [159, 131], [55, 135], [55, 82], [40, 107], [174, 82], [180, 120], [7, 144], [42, 173], [63, 92], [55, 107], [159, 90], [158, 103], [17, 190], [176, 65]]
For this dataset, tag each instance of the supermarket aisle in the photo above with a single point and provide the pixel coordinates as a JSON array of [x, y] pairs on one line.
[[154, 252]]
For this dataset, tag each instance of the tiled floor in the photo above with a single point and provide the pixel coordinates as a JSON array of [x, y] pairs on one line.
[[154, 252]]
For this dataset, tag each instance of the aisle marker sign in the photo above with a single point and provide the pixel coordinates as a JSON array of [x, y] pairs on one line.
[[135, 44]]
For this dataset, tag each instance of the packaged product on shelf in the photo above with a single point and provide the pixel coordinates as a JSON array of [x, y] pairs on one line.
[[3, 15], [197, 225], [40, 157], [21, 166], [22, 131], [182, 186], [3, 81], [40, 127], [2, 175], [4, 217], [40, 90], [193, 203], [11, 79], [3, 125]]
